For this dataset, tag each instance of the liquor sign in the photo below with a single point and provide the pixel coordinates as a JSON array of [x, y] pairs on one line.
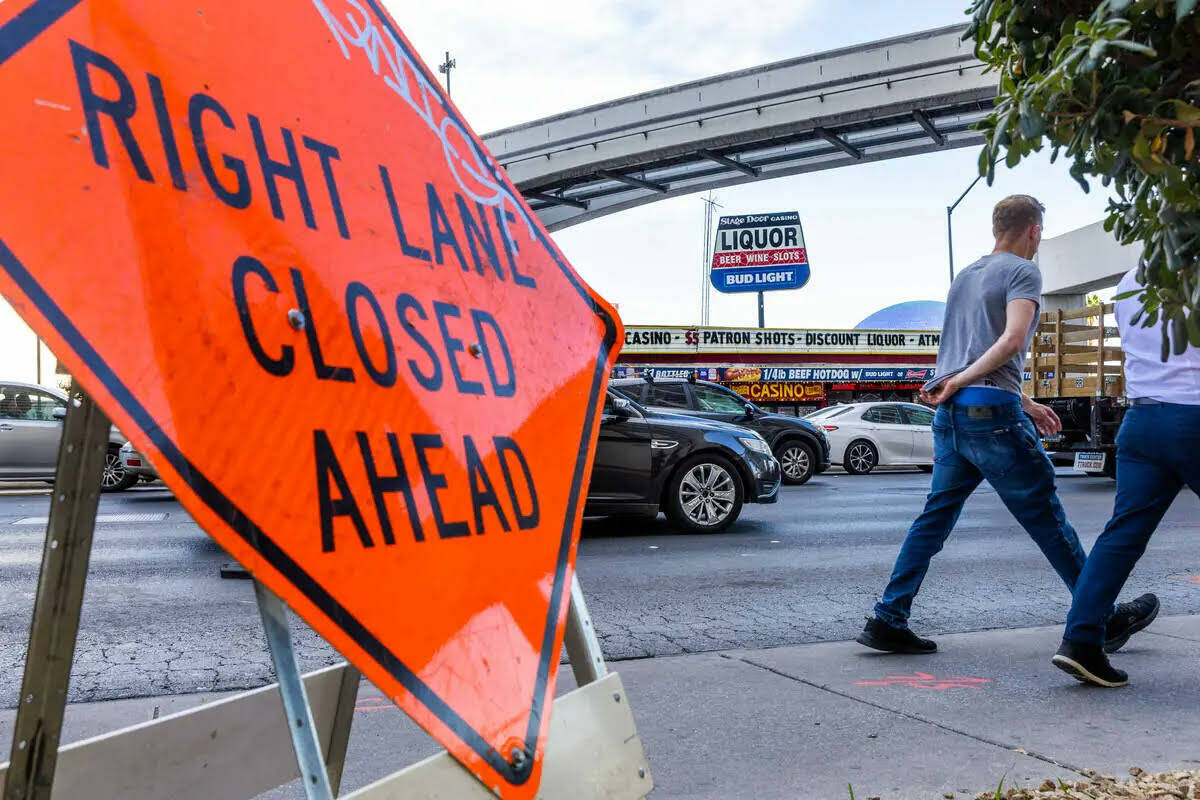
[[759, 253]]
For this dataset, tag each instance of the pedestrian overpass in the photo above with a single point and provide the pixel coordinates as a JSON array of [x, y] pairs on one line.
[[887, 99]]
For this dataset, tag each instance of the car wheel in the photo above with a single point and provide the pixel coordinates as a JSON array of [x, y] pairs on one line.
[[115, 477], [705, 494], [861, 457], [797, 462]]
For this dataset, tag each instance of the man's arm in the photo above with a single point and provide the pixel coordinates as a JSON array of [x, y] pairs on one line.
[[1043, 416], [1019, 317]]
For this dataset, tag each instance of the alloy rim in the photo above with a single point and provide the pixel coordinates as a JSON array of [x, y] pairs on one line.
[[707, 494], [795, 462], [114, 472], [861, 457]]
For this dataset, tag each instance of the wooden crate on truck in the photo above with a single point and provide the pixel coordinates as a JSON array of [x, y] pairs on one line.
[[1077, 367], [1076, 353]]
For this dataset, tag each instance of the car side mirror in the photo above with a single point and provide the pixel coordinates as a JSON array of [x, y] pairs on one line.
[[622, 408], [59, 412], [749, 410]]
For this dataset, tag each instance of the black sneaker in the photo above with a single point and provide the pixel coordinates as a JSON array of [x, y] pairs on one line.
[[878, 635], [1088, 664], [1128, 619]]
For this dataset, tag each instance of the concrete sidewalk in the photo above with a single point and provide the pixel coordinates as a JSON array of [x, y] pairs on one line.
[[807, 721]]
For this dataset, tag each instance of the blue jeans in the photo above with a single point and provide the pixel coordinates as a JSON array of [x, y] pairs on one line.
[[970, 444], [1157, 451]]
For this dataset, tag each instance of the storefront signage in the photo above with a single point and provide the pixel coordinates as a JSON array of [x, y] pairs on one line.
[[744, 375], [848, 374], [779, 392], [670, 340], [759, 253]]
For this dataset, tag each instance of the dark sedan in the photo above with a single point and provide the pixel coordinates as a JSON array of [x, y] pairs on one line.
[[698, 471], [801, 447]]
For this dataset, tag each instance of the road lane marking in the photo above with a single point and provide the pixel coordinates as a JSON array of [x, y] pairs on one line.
[[100, 519]]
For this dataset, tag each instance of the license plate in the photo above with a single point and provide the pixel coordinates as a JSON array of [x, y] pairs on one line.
[[1052, 439], [1089, 462]]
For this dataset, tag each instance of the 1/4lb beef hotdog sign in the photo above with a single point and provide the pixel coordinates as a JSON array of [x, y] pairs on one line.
[[760, 253], [269, 246]]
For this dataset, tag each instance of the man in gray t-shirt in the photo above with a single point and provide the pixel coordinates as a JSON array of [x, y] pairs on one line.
[[977, 314], [984, 429]]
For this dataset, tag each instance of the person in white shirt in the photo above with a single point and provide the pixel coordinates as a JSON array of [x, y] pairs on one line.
[[1156, 459]]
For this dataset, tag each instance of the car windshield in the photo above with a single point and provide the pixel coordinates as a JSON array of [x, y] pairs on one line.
[[712, 399], [838, 411]]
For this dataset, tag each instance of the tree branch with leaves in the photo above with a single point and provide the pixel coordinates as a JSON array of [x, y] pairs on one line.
[[1114, 86]]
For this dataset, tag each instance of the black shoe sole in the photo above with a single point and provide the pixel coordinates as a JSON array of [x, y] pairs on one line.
[[870, 641], [1116, 643], [1081, 674]]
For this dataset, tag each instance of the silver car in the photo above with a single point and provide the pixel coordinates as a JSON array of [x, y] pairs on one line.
[[31, 421], [138, 464]]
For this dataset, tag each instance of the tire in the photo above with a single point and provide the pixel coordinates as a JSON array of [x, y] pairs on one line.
[[797, 461], [115, 477], [925, 467], [861, 457], [713, 513]]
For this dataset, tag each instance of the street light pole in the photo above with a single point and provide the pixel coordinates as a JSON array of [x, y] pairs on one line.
[[445, 68], [710, 204], [950, 226]]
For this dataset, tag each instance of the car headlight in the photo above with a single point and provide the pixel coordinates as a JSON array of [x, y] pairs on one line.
[[756, 444]]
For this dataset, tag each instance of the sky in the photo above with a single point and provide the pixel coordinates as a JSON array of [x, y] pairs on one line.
[[876, 233]]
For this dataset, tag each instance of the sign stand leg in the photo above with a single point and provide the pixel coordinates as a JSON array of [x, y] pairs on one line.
[[343, 715], [583, 647], [295, 703], [55, 625]]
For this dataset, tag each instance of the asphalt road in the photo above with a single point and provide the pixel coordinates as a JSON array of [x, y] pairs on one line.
[[158, 619]]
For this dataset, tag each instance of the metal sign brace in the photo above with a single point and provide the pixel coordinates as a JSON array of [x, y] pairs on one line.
[[56, 609]]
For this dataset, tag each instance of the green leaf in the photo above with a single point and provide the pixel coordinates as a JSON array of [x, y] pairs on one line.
[[1134, 46], [1193, 328], [1077, 173], [1185, 112], [1032, 124], [1179, 332]]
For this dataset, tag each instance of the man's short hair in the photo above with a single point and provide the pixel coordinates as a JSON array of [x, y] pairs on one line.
[[1016, 213]]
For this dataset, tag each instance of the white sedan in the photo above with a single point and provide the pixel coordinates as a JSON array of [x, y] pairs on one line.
[[863, 436]]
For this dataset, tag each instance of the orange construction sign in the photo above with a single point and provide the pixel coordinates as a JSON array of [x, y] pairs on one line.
[[263, 239]]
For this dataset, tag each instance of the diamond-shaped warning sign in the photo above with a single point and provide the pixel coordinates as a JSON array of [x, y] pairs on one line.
[[264, 240]]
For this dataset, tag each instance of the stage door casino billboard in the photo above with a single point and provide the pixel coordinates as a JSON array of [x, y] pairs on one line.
[[759, 253]]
